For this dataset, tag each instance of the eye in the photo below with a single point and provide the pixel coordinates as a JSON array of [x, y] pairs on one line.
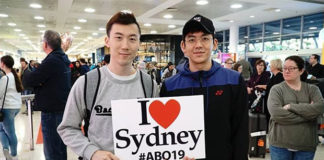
[[118, 37], [205, 39], [133, 39], [191, 40]]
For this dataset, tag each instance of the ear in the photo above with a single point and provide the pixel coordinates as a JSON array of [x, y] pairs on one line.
[[107, 41], [183, 47], [215, 42]]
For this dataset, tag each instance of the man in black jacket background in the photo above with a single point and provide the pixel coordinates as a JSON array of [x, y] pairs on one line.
[[224, 91], [51, 81]]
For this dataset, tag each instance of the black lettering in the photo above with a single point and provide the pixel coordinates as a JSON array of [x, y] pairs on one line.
[[156, 135], [194, 138], [149, 156], [137, 143], [98, 108], [119, 137], [165, 138], [158, 155], [166, 153], [179, 137], [144, 112]]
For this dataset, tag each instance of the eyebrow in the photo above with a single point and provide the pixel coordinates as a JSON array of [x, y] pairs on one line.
[[121, 34], [192, 35]]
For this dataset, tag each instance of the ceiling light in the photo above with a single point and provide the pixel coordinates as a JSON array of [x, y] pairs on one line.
[[41, 26], [235, 6], [94, 34], [168, 16], [22, 35], [28, 41], [89, 37], [81, 43], [85, 40], [11, 24], [102, 29], [82, 20], [39, 17], [232, 21], [89, 10], [252, 16], [25, 38], [74, 33], [312, 28], [77, 27], [42, 31], [277, 10], [17, 30], [172, 26], [35, 5], [275, 33], [147, 24], [153, 32], [201, 2], [3, 15]]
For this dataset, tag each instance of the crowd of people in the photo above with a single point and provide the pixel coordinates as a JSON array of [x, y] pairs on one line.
[[62, 95]]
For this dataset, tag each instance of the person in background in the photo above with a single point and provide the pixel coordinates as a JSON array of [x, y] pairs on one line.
[[229, 63], [238, 67], [52, 83], [247, 69], [75, 71], [169, 71], [106, 60], [152, 70], [224, 92], [294, 107], [261, 77], [12, 105], [25, 70], [315, 69], [84, 67]]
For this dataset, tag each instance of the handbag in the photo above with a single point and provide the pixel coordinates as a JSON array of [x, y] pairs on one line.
[[4, 98]]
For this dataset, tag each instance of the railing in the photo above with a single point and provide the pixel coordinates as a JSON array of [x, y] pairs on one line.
[[28, 99]]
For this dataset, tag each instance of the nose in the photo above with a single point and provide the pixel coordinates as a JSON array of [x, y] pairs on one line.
[[125, 44]]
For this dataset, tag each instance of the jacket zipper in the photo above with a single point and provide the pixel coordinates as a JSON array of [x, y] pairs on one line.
[[200, 79]]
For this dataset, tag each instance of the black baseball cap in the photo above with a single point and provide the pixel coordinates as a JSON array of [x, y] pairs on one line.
[[198, 22]]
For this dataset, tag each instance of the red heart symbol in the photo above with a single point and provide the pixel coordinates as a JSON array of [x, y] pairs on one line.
[[164, 115]]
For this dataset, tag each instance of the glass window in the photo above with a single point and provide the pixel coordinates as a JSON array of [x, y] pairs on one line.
[[219, 36], [241, 49], [243, 35], [227, 35], [256, 31], [310, 41], [272, 44], [291, 42], [314, 22], [226, 49], [291, 25], [255, 45], [220, 47], [272, 29]]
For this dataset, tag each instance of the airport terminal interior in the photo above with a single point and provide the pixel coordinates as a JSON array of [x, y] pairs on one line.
[[244, 29]]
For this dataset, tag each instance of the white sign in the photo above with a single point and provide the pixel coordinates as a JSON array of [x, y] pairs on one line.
[[159, 128]]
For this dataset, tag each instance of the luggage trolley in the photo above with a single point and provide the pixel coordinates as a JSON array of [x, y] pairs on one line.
[[28, 99]]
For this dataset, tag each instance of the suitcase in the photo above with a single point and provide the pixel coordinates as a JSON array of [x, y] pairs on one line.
[[257, 132]]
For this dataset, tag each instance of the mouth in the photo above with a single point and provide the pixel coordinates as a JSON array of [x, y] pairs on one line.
[[198, 53]]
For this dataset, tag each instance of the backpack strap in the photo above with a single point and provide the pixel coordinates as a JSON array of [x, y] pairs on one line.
[[147, 85], [91, 87]]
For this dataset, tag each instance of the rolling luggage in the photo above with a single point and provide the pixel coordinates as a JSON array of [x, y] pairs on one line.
[[257, 131]]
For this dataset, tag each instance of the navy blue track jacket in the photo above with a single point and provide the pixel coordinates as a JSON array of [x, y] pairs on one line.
[[225, 104]]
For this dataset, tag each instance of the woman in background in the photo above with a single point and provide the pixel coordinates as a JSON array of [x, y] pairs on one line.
[[11, 106]]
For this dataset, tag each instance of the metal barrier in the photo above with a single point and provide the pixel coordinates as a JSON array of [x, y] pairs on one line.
[[28, 99]]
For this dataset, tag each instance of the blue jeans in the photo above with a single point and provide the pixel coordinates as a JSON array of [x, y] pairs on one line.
[[8, 136], [277, 153], [54, 148]]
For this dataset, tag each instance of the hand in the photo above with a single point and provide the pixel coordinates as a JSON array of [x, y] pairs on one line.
[[187, 158], [313, 78], [103, 155], [249, 90], [261, 86], [286, 107]]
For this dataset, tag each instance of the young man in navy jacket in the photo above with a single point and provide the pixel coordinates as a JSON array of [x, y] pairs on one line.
[[224, 91]]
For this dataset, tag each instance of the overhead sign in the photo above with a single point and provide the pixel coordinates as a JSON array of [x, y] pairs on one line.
[[159, 128]]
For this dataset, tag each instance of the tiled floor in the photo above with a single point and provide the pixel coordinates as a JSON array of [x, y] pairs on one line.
[[24, 152]]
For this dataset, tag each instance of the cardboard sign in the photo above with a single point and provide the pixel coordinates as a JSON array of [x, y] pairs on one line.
[[159, 128]]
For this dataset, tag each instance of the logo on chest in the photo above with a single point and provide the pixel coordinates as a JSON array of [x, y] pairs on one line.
[[102, 111]]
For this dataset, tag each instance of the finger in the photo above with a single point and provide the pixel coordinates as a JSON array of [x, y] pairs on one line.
[[113, 157]]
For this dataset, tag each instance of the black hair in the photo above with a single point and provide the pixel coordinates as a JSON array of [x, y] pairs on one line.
[[317, 57], [261, 61], [298, 60], [53, 39], [9, 62], [122, 17]]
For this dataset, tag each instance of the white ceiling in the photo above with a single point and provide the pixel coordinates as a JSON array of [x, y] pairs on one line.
[[63, 15]]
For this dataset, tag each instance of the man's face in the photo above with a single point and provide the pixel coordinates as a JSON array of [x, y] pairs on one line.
[[123, 41], [23, 64], [198, 47], [312, 60]]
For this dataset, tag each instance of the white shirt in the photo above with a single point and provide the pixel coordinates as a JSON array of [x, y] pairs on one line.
[[13, 98]]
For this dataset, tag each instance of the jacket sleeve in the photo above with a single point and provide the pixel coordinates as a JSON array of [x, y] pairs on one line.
[[38, 77], [277, 112], [70, 127], [313, 110], [3, 83], [239, 120]]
